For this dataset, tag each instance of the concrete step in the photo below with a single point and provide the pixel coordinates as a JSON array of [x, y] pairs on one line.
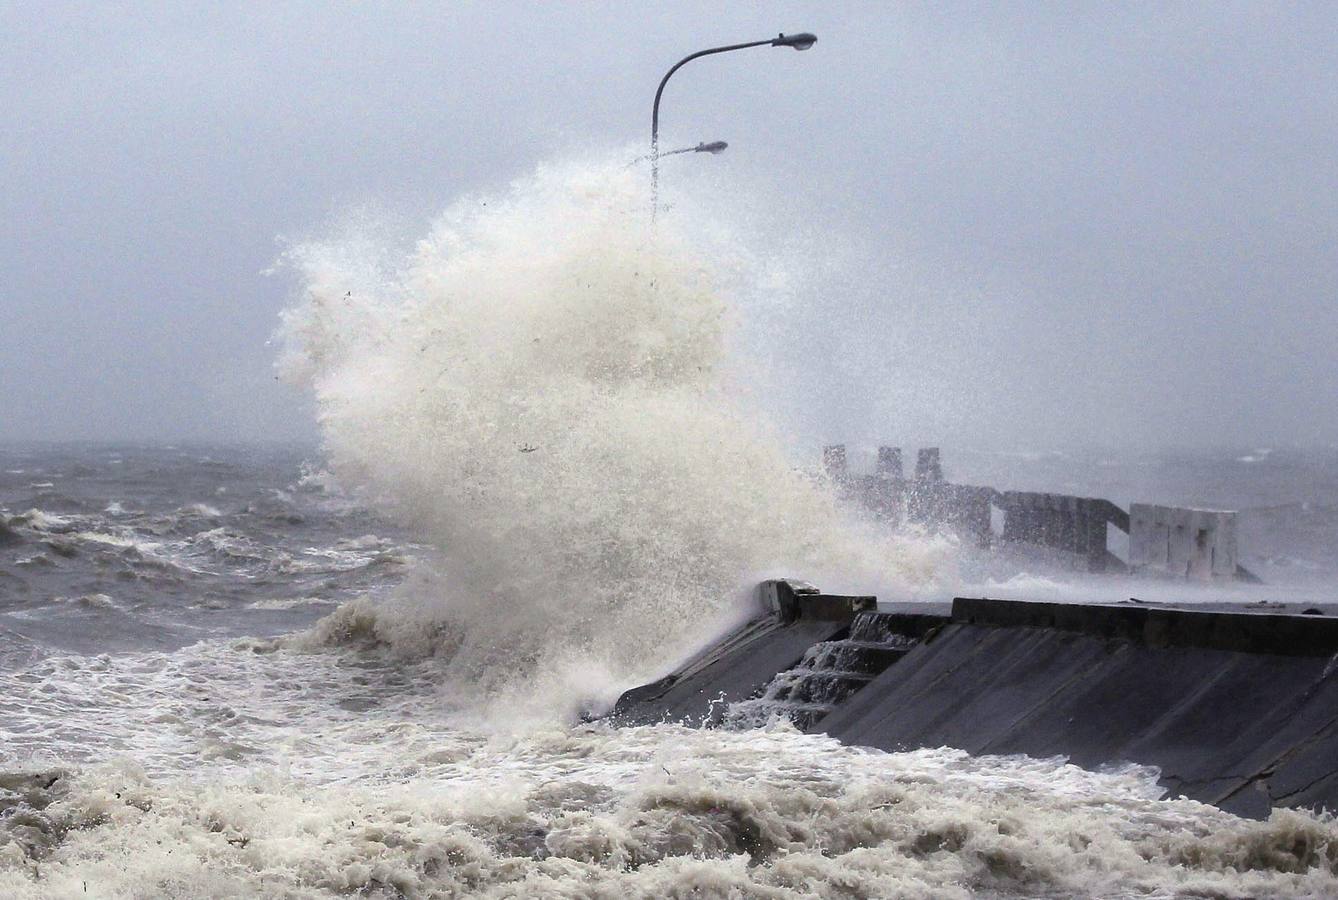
[[866, 657], [754, 713], [815, 686]]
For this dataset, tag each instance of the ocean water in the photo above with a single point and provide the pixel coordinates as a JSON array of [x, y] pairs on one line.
[[184, 713], [360, 669]]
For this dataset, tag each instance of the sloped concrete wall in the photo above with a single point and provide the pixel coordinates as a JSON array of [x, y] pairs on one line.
[[697, 694], [1237, 710]]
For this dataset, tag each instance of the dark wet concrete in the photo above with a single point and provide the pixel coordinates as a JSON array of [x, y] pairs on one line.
[[1238, 707], [1238, 727]]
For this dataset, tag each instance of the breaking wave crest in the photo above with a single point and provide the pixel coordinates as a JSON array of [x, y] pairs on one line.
[[539, 386]]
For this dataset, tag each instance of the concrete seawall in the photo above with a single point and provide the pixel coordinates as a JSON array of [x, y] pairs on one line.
[[1179, 542], [1236, 708]]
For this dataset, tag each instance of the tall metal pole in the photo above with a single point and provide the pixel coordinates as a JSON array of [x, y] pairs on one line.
[[797, 41]]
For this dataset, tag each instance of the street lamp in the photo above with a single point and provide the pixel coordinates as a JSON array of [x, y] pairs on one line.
[[798, 41], [715, 148]]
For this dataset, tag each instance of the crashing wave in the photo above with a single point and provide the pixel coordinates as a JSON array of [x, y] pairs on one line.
[[536, 385]]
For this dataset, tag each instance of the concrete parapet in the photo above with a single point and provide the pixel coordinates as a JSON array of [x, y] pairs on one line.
[[966, 509], [1073, 524], [1157, 625], [790, 600], [1192, 543]]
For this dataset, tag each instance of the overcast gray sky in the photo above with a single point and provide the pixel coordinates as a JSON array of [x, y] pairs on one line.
[[1025, 224]]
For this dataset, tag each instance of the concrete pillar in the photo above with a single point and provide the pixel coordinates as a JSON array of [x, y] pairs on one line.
[[834, 462], [889, 463], [927, 465]]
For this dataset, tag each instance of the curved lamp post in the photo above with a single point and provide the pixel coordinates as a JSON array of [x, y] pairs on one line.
[[797, 41], [714, 148]]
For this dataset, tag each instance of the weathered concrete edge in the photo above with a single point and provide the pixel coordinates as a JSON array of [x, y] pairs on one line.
[[1162, 626]]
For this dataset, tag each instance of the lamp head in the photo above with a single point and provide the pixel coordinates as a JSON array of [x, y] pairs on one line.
[[713, 147], [798, 41]]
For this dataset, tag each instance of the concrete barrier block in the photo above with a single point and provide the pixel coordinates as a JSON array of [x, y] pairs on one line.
[[1182, 542], [781, 597]]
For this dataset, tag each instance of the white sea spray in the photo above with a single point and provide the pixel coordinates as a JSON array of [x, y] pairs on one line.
[[537, 385]]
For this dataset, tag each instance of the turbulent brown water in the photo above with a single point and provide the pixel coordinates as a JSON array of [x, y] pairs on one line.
[[356, 670]]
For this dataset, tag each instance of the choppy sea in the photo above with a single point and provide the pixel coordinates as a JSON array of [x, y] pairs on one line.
[[185, 712]]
